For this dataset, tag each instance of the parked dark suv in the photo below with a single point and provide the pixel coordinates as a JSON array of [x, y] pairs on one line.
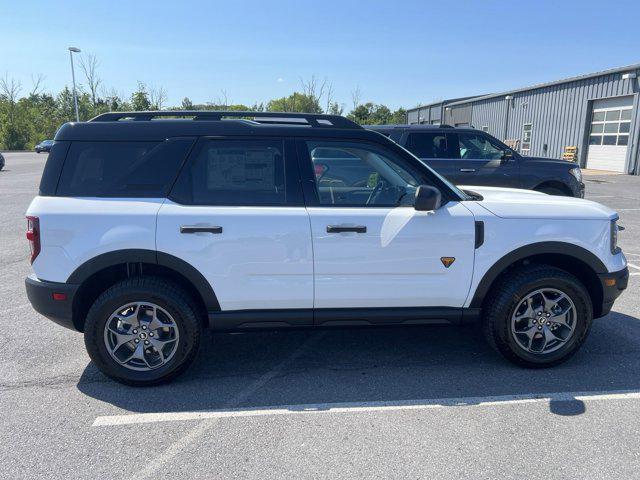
[[471, 157]]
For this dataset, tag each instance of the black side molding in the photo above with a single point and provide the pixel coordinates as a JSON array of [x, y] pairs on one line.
[[237, 320], [479, 233]]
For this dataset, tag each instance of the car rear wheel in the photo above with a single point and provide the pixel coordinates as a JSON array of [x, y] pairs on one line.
[[143, 331], [537, 316]]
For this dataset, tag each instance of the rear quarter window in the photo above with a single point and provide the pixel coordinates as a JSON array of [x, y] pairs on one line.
[[122, 169], [51, 173]]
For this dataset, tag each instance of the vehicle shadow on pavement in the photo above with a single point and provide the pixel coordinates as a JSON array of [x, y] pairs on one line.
[[376, 365]]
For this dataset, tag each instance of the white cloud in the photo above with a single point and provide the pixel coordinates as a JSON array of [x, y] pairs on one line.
[[280, 80]]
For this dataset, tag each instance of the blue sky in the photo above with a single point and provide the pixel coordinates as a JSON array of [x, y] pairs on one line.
[[398, 53]]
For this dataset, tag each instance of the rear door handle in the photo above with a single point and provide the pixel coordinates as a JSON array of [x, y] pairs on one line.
[[342, 229], [200, 229], [470, 170]]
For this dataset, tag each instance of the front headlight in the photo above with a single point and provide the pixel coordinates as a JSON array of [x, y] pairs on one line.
[[614, 236], [577, 173]]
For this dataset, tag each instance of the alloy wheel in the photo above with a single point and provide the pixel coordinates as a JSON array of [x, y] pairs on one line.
[[544, 321], [141, 336]]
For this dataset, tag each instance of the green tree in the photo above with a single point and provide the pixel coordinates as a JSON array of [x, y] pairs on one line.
[[335, 108], [140, 98], [296, 102], [29, 119], [372, 114], [399, 116]]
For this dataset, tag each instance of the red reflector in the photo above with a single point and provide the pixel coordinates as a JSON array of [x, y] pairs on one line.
[[59, 296]]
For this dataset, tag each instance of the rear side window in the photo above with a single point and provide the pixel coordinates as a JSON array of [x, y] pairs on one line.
[[122, 169], [429, 145], [234, 172]]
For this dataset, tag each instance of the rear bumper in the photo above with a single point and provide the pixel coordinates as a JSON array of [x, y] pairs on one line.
[[613, 284], [40, 294]]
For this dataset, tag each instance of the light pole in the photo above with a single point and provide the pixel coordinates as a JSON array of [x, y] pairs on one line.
[[73, 50]]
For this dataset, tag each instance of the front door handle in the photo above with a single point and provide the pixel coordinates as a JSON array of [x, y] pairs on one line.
[[200, 229], [343, 229], [469, 170]]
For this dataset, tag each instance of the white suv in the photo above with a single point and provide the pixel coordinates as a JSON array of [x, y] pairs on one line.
[[147, 230]]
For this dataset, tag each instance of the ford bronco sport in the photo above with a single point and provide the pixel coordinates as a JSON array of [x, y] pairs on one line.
[[149, 228]]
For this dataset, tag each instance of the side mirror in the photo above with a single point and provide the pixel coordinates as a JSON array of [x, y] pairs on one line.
[[427, 198], [507, 156]]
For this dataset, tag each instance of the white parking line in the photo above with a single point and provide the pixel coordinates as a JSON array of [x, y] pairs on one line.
[[359, 407], [633, 265]]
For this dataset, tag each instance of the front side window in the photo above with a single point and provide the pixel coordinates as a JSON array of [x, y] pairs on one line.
[[359, 175], [122, 169], [475, 146], [233, 172], [428, 145]]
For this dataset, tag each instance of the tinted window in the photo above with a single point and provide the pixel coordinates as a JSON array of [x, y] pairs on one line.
[[428, 145], [354, 174], [53, 167], [122, 169], [234, 172], [478, 147]]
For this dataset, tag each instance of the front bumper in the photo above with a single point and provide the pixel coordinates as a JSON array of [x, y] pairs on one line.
[[41, 296], [613, 284]]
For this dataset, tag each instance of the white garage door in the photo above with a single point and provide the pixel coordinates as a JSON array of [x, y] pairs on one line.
[[609, 134]]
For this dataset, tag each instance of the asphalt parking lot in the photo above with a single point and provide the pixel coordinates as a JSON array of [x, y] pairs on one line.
[[427, 402]]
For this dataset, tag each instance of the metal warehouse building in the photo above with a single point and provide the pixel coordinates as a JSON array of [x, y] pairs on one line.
[[593, 118]]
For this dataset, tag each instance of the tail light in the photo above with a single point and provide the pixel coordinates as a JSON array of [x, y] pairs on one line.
[[33, 236]]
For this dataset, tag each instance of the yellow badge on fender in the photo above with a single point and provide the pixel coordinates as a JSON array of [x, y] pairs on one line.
[[447, 261]]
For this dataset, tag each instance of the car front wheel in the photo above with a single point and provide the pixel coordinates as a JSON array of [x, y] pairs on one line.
[[552, 191], [537, 316], [143, 331]]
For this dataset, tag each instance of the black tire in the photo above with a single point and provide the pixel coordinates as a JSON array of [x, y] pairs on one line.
[[552, 191], [144, 289], [507, 294]]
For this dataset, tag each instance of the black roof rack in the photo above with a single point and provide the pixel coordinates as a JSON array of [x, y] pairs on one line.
[[406, 125], [288, 118]]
